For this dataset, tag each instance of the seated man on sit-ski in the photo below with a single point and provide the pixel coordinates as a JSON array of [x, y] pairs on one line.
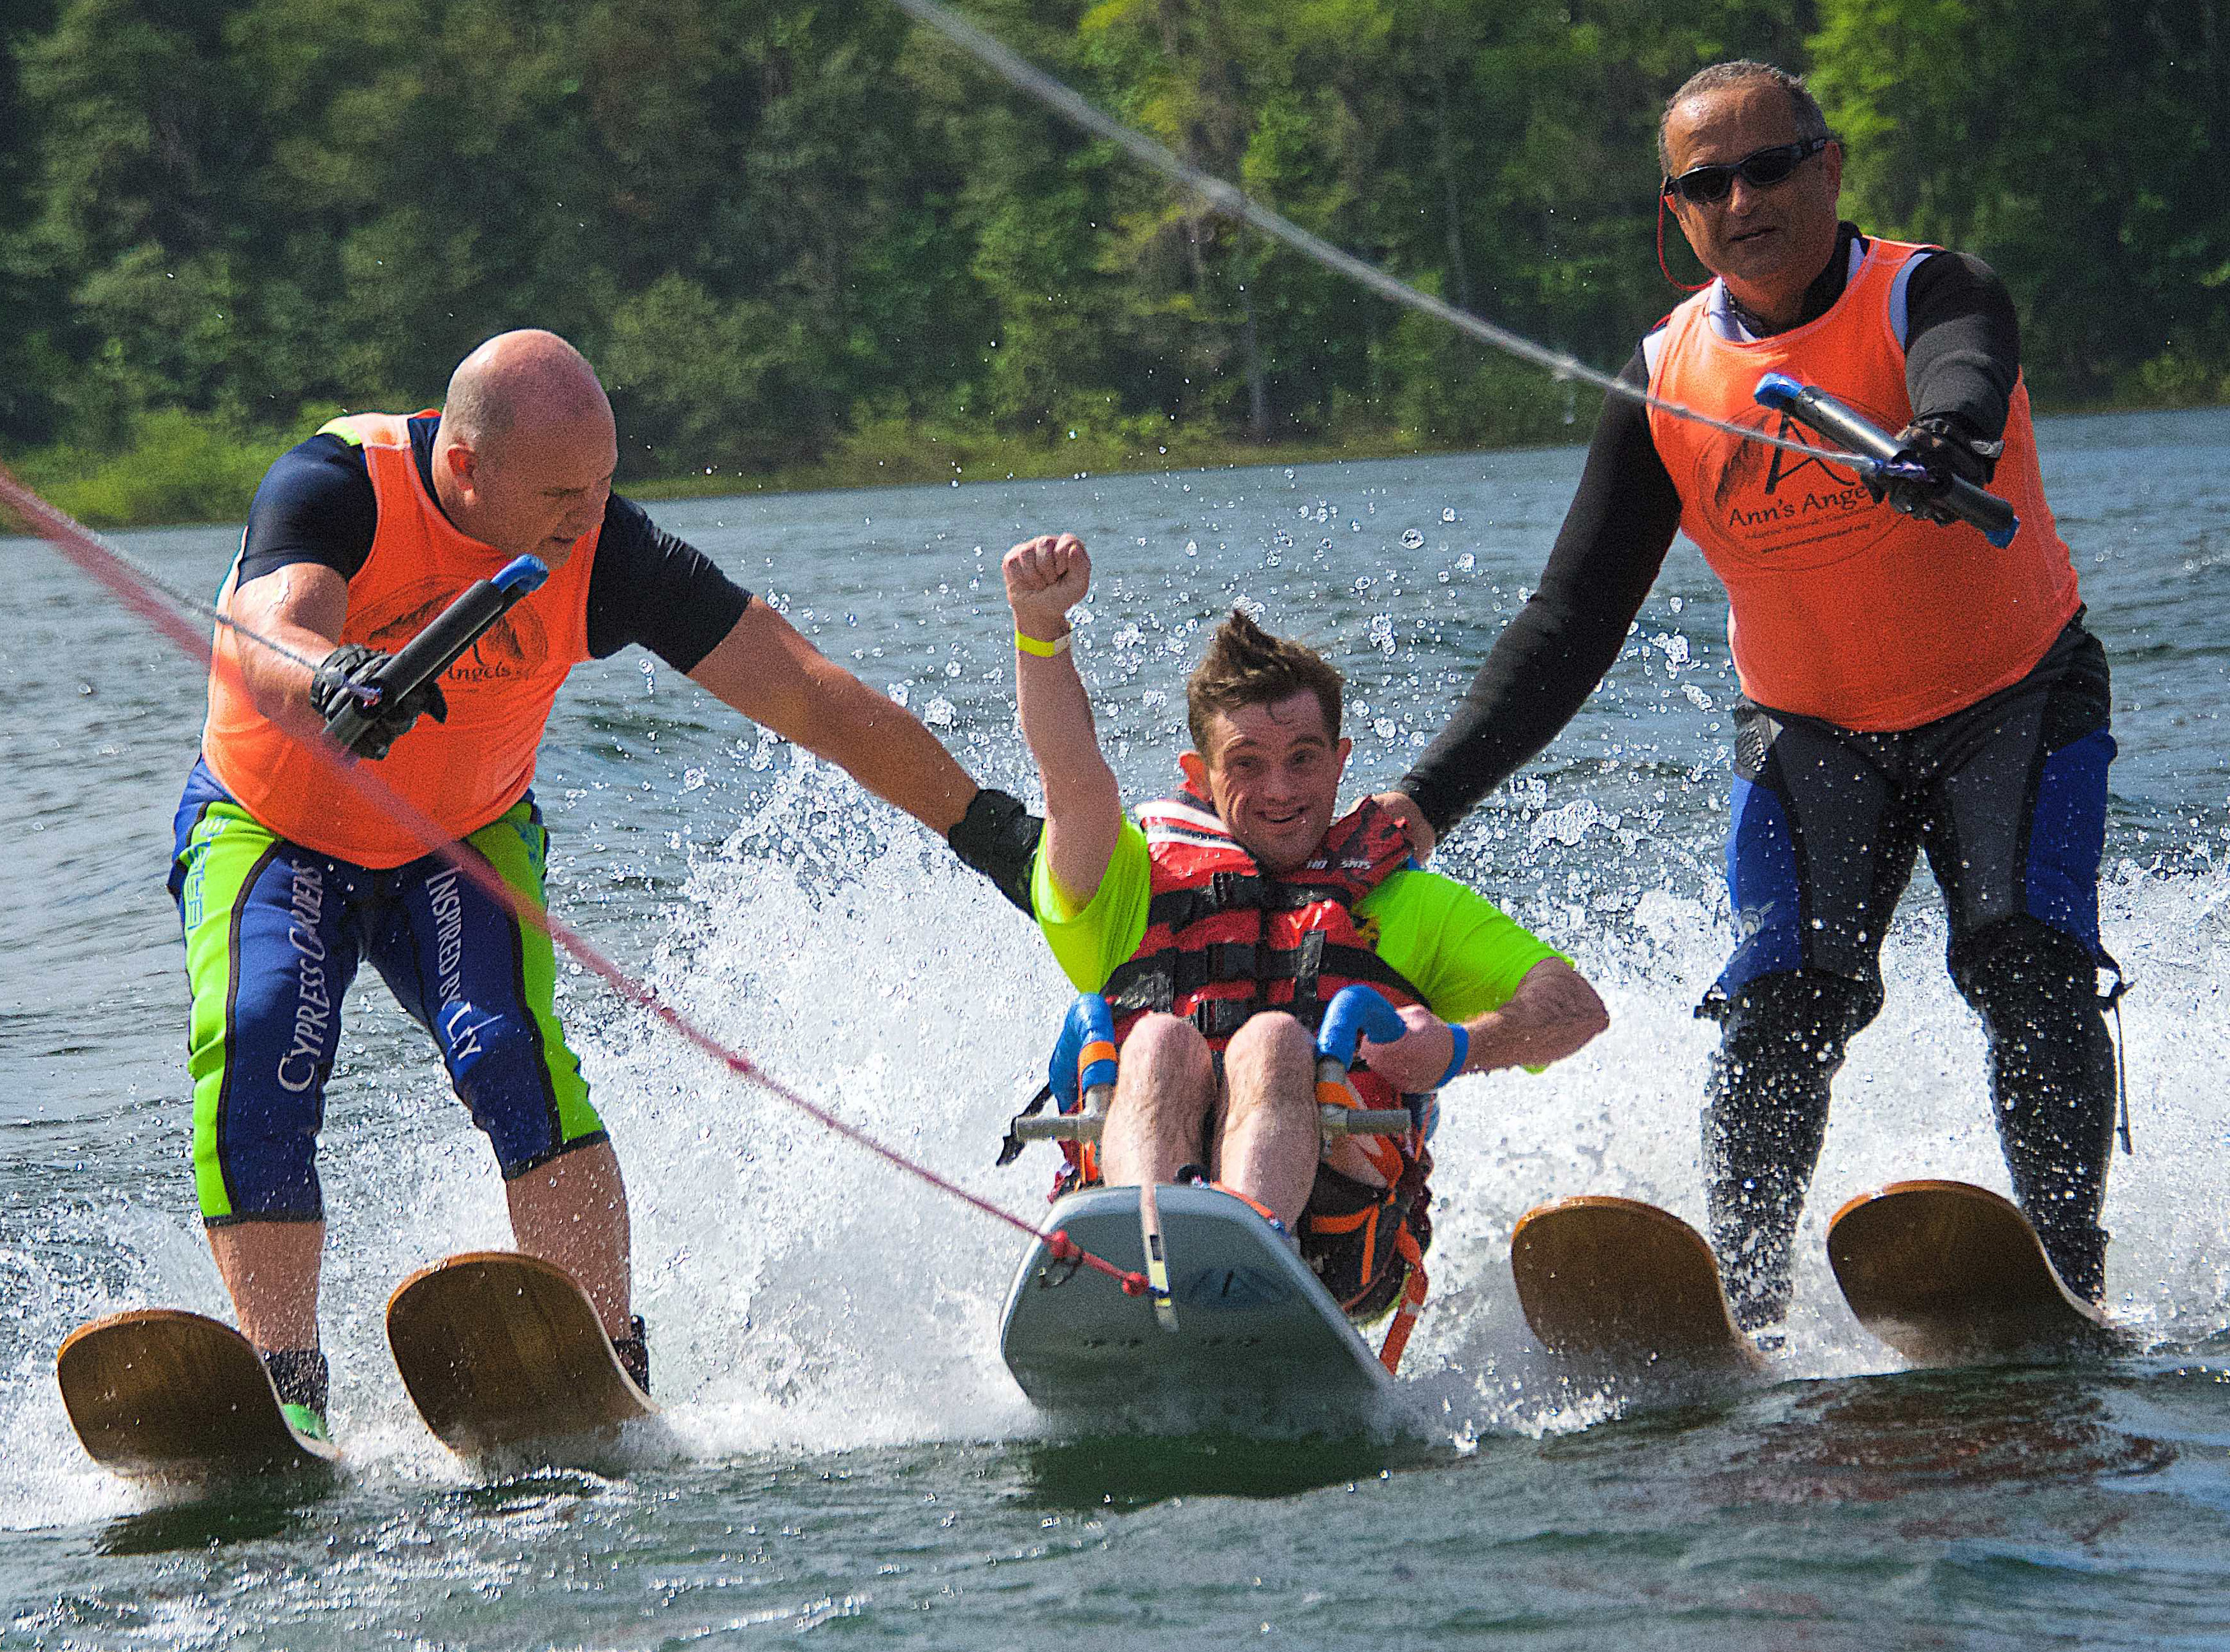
[[1222, 921]]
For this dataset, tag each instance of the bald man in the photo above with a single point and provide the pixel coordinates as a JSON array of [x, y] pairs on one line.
[[285, 880]]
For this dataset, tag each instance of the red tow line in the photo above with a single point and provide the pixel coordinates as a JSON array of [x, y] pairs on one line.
[[1065, 1249]]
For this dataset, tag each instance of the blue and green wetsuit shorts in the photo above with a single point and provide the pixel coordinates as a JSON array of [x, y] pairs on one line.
[[274, 934]]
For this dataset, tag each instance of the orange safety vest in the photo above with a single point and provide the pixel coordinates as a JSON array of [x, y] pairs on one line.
[[1838, 607], [461, 774]]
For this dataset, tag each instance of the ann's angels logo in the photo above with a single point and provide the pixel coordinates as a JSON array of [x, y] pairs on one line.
[[1777, 504], [516, 645]]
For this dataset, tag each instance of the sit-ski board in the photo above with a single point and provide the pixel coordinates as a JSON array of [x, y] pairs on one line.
[[1950, 1274], [1254, 1325], [499, 1349], [161, 1393], [1621, 1285]]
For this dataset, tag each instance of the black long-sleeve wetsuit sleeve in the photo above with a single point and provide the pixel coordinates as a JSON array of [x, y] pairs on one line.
[[1549, 659], [1962, 342]]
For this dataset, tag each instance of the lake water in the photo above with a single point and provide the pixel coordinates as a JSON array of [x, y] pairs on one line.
[[843, 1458]]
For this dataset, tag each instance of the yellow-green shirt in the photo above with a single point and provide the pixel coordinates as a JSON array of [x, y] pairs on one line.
[[1461, 952]]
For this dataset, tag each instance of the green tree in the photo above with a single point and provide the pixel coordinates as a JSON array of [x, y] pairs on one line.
[[140, 122], [31, 295], [2070, 156], [1031, 203], [775, 221]]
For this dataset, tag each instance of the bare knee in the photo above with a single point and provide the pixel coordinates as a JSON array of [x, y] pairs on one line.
[[1165, 1089], [1170, 1049], [1270, 1060], [1166, 1066]]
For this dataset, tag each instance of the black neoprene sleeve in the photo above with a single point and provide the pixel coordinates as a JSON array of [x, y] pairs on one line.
[[315, 505], [1963, 342], [1548, 660], [650, 587]]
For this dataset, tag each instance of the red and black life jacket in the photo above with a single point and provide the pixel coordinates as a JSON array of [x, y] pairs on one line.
[[1226, 941]]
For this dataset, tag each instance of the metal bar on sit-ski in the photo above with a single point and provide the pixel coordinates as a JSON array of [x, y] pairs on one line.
[[443, 641], [1357, 1012], [1059, 1126], [1356, 1121], [1338, 1119], [1809, 404]]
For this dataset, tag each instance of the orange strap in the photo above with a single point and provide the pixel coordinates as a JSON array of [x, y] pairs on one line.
[[1385, 1156], [1412, 1302], [1321, 1223], [1253, 1204]]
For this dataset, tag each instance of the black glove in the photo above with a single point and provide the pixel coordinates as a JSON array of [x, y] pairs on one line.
[[999, 838], [352, 664], [1944, 445]]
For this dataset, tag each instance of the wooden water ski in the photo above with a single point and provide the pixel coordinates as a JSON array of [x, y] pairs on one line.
[[500, 1349], [162, 1393], [1618, 1284], [1254, 1330], [1950, 1274]]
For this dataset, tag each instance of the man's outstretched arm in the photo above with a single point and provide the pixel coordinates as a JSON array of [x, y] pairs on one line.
[[765, 670], [1046, 577]]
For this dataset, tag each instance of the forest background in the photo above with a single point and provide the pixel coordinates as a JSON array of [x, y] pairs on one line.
[[811, 243]]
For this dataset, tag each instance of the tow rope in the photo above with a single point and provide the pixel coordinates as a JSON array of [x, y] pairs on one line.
[[1233, 202]]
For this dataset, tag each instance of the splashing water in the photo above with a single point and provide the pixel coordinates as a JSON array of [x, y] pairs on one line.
[[801, 1299]]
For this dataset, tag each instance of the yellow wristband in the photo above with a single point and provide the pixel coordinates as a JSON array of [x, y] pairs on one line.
[[1041, 648]]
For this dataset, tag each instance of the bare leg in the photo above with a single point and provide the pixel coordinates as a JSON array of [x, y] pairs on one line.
[[573, 1211], [1164, 1089], [1270, 1141], [271, 1269]]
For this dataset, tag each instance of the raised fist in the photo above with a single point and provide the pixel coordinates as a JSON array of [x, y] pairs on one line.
[[1046, 577]]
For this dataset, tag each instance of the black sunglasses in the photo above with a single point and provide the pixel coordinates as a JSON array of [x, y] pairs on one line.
[[1700, 186]]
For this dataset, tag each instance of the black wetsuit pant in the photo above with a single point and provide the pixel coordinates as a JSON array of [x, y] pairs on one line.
[[2008, 797]]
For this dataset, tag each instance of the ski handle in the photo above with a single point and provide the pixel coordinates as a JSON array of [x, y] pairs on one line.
[[1082, 1071], [446, 637], [1808, 404], [1357, 1012], [1083, 1068]]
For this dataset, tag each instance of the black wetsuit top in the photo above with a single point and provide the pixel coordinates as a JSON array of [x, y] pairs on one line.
[[317, 505], [1962, 350]]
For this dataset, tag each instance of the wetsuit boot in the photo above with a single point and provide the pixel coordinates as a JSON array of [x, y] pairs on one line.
[[634, 1352], [1782, 1038], [2051, 1083], [300, 1377]]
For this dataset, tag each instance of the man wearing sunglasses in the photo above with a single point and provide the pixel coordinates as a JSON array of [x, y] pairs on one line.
[[1906, 684]]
